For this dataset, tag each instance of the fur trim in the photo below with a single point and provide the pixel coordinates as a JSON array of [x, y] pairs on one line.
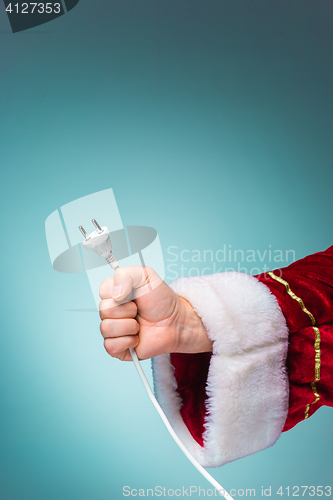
[[247, 384]]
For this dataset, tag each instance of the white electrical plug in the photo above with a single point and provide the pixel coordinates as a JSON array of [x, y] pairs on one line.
[[100, 242]]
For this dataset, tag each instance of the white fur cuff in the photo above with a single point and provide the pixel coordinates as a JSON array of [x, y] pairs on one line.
[[247, 384]]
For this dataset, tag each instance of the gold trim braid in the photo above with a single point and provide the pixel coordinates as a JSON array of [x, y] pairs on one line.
[[293, 296], [317, 338]]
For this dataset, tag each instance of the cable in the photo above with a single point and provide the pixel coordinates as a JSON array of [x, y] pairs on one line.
[[167, 424], [100, 242]]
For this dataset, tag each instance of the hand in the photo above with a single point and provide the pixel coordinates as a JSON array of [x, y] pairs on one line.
[[156, 320]]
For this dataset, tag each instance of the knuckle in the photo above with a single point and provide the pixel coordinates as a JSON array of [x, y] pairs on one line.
[[148, 275], [102, 309], [107, 309], [110, 347], [135, 340], [135, 327], [101, 327], [133, 309], [121, 356], [144, 278], [105, 327]]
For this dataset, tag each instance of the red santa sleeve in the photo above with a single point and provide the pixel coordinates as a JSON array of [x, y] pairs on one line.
[[271, 365]]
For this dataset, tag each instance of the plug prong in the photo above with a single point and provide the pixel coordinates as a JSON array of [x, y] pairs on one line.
[[97, 226], [85, 234]]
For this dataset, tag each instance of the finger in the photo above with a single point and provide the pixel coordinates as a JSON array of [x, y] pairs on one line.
[[106, 291], [111, 328], [124, 356], [117, 347], [141, 279], [108, 308]]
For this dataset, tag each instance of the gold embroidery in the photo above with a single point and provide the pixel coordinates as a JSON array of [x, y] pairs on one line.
[[293, 296], [317, 351], [306, 413], [317, 339], [314, 390], [313, 385]]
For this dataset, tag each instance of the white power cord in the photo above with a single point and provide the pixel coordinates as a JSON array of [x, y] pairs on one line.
[[100, 242]]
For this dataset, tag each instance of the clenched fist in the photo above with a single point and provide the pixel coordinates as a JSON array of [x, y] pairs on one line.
[[139, 310]]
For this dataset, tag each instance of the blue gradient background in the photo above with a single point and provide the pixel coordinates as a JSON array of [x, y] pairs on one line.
[[212, 122]]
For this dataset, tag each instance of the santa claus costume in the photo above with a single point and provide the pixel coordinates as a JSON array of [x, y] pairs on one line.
[[271, 365]]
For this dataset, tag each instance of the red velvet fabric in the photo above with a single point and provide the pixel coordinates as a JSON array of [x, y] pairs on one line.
[[191, 371], [311, 279]]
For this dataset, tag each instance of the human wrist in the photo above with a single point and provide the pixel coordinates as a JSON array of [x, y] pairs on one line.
[[193, 337]]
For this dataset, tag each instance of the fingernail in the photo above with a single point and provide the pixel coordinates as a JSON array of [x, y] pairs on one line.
[[117, 291]]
